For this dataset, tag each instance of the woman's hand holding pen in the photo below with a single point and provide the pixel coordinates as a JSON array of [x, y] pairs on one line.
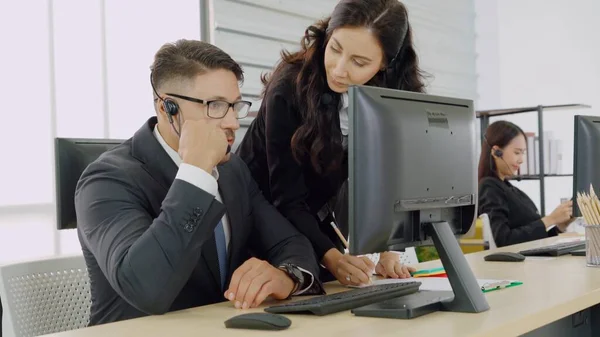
[[357, 270], [349, 269]]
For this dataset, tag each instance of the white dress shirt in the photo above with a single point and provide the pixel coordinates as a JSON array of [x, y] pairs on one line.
[[344, 115], [208, 182], [344, 120]]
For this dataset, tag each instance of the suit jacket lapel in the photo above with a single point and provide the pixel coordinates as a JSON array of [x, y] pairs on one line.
[[233, 206], [146, 148], [210, 257]]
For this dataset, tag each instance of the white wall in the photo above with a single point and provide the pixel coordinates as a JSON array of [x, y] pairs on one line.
[[546, 52], [445, 41], [81, 69], [71, 69], [444, 35]]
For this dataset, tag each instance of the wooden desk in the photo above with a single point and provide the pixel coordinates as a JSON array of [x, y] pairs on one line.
[[553, 289]]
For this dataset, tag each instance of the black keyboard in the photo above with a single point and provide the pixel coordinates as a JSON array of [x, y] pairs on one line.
[[329, 304], [554, 250]]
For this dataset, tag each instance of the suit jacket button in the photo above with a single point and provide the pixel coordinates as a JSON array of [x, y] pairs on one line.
[[197, 211], [188, 227]]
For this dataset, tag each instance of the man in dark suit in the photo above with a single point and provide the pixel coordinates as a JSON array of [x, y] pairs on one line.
[[169, 219]]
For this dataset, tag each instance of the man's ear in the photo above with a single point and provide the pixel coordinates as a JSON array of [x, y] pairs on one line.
[[158, 107]]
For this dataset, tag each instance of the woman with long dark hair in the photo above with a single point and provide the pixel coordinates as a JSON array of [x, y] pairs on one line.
[[296, 147], [513, 215]]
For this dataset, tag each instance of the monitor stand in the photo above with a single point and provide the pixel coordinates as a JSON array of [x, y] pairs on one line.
[[466, 295]]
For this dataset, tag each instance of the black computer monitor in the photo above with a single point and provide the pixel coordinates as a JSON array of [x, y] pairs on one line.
[[413, 179], [71, 157], [586, 157]]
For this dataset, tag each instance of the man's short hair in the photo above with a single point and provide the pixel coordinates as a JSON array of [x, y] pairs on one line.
[[186, 59]]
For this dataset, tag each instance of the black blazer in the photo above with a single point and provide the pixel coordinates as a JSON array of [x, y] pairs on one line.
[[148, 239], [513, 215], [295, 189]]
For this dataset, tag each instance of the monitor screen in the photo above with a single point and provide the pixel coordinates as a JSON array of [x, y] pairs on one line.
[[586, 157], [412, 161]]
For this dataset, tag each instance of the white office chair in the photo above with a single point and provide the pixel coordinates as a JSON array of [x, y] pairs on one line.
[[44, 296], [488, 236]]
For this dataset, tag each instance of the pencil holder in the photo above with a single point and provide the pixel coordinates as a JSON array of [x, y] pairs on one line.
[[592, 245]]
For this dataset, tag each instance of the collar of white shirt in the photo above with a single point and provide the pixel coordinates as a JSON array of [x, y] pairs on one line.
[[173, 154], [344, 114], [345, 100]]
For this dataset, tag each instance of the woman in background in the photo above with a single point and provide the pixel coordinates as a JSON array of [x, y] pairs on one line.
[[296, 148], [513, 216]]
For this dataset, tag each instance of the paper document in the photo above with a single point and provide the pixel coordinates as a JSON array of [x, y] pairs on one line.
[[438, 283], [570, 239]]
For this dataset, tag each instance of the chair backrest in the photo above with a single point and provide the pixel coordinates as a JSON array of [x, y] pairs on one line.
[[71, 157], [488, 236], [45, 296]]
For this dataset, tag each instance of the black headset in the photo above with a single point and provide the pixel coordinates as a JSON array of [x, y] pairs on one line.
[[498, 153], [171, 108], [169, 105]]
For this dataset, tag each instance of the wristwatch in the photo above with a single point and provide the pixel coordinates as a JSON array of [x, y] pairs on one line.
[[295, 274]]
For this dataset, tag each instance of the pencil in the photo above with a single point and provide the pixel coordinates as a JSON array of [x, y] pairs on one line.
[[589, 206], [339, 234]]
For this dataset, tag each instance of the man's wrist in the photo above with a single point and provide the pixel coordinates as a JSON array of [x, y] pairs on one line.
[[295, 284], [201, 164], [301, 278], [198, 177]]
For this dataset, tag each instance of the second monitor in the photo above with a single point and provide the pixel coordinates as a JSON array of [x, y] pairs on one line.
[[413, 180], [586, 157]]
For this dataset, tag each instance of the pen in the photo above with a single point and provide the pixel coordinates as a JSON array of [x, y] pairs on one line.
[[373, 257], [497, 285], [336, 229], [339, 234]]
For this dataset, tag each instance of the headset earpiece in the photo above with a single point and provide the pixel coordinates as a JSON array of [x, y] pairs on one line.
[[171, 108], [498, 153]]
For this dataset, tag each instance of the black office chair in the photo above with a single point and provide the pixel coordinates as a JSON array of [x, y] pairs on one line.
[[71, 157]]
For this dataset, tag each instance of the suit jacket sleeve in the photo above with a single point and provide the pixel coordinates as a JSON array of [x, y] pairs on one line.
[[493, 201], [286, 180], [273, 237], [147, 261]]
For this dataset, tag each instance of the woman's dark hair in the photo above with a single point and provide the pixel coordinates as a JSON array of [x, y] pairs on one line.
[[318, 139], [499, 134]]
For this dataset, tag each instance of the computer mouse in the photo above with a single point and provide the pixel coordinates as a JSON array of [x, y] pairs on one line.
[[505, 257], [258, 321]]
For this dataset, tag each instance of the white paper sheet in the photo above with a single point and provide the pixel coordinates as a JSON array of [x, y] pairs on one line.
[[431, 283]]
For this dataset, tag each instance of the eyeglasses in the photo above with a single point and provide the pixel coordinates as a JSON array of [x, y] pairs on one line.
[[218, 108]]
